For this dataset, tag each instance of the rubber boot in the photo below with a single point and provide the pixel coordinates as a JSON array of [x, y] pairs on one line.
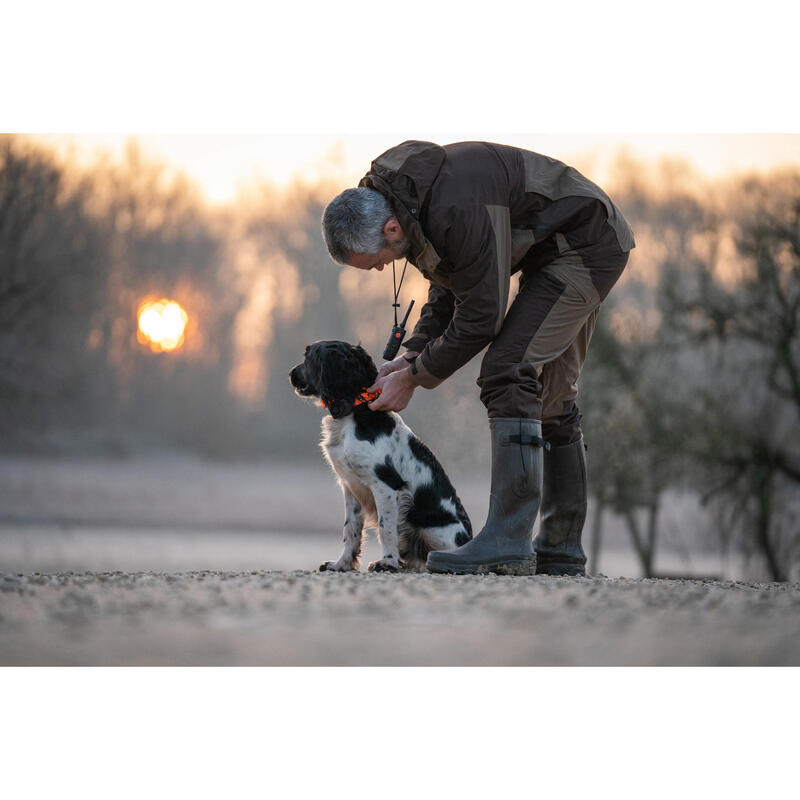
[[558, 545], [504, 544]]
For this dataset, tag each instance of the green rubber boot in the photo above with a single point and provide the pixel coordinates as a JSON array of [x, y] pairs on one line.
[[504, 545], [558, 545]]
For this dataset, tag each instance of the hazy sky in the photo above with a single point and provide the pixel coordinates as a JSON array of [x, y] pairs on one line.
[[314, 90], [221, 163]]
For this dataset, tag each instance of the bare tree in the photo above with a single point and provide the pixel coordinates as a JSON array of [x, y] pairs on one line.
[[50, 279], [743, 316], [634, 449]]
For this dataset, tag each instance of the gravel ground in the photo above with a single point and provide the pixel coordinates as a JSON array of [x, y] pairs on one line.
[[307, 618], [176, 561]]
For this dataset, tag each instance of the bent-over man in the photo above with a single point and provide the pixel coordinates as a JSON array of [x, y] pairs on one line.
[[469, 216]]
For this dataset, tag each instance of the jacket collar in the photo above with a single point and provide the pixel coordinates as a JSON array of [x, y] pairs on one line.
[[405, 175]]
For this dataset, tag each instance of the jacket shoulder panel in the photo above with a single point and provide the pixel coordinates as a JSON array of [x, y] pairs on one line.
[[555, 180]]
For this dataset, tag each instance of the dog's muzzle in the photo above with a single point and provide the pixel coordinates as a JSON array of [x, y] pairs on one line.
[[298, 380]]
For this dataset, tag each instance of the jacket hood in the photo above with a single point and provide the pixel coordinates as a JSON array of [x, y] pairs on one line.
[[404, 175]]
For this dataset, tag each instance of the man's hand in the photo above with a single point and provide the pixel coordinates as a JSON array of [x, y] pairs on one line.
[[401, 362], [396, 389]]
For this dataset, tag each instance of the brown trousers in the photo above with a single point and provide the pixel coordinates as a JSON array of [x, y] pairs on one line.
[[532, 367]]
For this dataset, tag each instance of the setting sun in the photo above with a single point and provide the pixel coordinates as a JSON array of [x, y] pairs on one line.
[[161, 324]]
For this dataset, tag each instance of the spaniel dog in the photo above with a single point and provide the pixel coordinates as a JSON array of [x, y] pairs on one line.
[[389, 478]]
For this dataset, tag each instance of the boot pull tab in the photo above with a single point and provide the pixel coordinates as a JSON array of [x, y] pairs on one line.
[[524, 438]]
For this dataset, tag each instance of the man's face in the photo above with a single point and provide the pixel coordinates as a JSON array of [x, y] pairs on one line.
[[396, 246], [372, 260]]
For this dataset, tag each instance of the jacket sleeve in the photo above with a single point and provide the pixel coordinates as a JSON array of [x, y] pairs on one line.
[[433, 319], [478, 245]]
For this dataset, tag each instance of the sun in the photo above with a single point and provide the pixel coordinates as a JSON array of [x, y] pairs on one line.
[[162, 324]]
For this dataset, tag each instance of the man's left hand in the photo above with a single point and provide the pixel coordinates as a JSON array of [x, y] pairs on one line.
[[396, 390]]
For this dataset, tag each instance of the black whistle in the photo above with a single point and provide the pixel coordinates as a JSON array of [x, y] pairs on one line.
[[396, 337]]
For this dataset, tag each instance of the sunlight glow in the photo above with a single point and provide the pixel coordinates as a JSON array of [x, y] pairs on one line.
[[161, 324], [225, 164]]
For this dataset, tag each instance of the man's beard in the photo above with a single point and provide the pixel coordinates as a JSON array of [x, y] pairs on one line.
[[401, 249]]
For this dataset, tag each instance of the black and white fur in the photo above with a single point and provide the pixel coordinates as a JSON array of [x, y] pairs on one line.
[[391, 481]]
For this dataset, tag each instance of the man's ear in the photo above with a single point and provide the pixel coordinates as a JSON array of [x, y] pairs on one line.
[[392, 231]]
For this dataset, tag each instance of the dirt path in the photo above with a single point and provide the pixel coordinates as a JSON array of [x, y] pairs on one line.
[[305, 618]]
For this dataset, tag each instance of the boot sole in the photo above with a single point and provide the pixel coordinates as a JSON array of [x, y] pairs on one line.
[[570, 570], [524, 566]]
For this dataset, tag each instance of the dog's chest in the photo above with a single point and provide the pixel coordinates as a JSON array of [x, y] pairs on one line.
[[338, 444], [353, 458]]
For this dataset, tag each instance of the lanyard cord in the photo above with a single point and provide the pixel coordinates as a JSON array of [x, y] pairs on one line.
[[397, 288]]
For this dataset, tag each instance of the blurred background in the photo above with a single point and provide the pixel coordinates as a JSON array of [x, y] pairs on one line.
[[155, 291]]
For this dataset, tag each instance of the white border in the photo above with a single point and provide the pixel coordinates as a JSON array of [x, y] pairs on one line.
[[660, 733], [359, 67]]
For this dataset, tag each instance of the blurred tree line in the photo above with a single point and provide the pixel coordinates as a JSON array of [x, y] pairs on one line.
[[693, 379]]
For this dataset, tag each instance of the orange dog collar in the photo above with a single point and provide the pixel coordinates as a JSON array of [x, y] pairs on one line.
[[364, 397]]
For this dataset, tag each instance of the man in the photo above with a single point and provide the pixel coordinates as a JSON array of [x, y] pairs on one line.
[[468, 216]]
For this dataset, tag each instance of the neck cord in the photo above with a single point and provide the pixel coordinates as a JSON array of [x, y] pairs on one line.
[[398, 331], [397, 288]]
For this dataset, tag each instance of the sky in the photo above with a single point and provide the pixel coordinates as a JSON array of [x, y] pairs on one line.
[[222, 164]]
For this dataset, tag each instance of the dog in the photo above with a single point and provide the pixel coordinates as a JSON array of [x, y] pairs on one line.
[[390, 480]]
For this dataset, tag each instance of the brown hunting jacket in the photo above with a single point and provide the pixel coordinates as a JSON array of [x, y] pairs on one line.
[[475, 213]]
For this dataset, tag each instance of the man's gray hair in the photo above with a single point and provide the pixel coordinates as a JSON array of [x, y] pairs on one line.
[[353, 223]]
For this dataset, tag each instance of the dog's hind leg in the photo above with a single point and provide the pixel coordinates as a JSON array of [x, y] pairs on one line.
[[350, 559], [386, 505]]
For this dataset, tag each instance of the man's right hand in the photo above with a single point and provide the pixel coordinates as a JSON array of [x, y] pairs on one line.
[[401, 362]]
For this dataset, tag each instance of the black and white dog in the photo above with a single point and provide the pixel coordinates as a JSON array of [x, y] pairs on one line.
[[389, 478]]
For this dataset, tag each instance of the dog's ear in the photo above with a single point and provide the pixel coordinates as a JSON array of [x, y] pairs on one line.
[[338, 388], [363, 365], [336, 380]]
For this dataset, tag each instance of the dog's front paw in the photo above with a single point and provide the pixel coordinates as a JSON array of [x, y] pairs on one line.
[[336, 566], [385, 565]]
